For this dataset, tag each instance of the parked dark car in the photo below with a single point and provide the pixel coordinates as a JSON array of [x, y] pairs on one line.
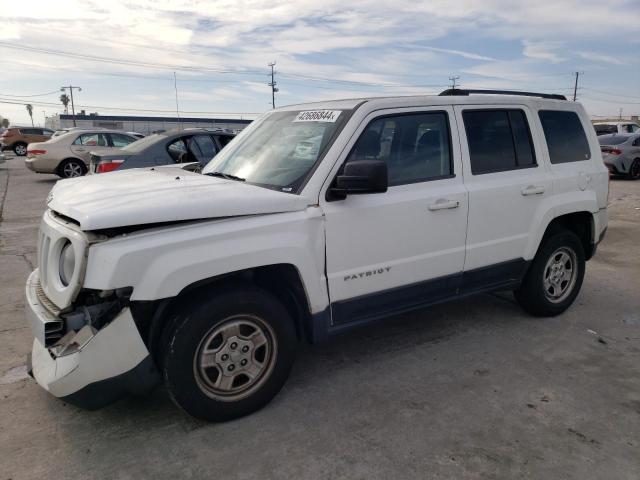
[[196, 146]]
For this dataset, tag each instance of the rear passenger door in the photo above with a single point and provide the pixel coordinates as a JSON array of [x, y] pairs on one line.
[[86, 142], [507, 183]]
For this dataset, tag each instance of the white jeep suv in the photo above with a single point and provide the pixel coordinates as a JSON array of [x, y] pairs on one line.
[[315, 219]]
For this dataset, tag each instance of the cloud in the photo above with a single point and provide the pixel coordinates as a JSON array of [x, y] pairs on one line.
[[490, 43], [542, 51], [613, 58]]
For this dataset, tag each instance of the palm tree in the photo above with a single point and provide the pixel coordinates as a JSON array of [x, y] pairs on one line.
[[64, 98], [30, 110]]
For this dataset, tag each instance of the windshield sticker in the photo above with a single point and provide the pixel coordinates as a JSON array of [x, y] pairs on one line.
[[318, 116]]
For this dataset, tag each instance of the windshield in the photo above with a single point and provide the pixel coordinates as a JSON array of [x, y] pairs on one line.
[[281, 150]]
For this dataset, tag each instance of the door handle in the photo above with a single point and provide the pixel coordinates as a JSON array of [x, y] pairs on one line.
[[444, 204], [533, 190], [80, 150]]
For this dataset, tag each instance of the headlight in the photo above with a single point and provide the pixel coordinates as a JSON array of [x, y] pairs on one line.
[[67, 263]]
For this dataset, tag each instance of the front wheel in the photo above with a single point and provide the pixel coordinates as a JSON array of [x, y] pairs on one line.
[[228, 355], [634, 169], [555, 276]]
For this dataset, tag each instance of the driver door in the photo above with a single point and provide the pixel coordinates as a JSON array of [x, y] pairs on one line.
[[392, 251]]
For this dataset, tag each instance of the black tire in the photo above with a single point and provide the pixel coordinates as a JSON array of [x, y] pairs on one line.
[[634, 169], [532, 294], [20, 149], [71, 168], [187, 335]]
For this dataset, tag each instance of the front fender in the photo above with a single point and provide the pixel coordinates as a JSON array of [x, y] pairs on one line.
[[160, 263]]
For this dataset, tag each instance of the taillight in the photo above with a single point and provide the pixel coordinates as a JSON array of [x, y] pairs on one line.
[[109, 166], [611, 151], [36, 152]]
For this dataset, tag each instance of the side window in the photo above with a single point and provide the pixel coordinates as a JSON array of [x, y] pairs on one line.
[[565, 136], [91, 140], [119, 140], [636, 142], [416, 147], [224, 139], [499, 140], [28, 131], [207, 147], [46, 131], [176, 148]]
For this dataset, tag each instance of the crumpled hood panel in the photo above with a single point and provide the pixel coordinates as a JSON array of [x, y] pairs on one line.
[[145, 196]]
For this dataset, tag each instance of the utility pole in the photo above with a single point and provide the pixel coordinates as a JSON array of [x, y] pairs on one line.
[[620, 114], [453, 81], [44, 114], [73, 109], [175, 86], [273, 84], [575, 87]]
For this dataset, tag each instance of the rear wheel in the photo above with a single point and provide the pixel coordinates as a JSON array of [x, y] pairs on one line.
[[20, 149], [71, 168], [555, 276], [228, 355], [634, 169]]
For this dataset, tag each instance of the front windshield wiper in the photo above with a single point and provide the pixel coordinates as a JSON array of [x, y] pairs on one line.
[[225, 175]]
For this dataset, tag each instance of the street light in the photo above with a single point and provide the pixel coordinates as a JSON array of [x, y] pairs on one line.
[[73, 110]]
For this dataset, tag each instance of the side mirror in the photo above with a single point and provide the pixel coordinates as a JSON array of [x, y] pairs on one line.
[[362, 176]]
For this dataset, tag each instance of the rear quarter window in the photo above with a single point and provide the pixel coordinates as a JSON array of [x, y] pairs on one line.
[[566, 139]]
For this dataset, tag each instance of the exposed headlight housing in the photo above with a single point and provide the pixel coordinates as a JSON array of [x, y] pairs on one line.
[[67, 263]]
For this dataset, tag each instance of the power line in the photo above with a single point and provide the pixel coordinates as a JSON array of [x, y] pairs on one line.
[[608, 100], [117, 61], [604, 92], [29, 96], [102, 107]]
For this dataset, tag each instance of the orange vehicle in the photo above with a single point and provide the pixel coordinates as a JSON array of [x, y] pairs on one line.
[[17, 138]]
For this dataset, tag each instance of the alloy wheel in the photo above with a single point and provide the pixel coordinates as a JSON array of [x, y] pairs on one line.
[[71, 170]]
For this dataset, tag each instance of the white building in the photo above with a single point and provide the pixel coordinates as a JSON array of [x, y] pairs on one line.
[[144, 125]]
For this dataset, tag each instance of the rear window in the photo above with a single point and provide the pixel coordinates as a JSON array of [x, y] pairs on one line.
[[604, 129], [612, 140], [565, 136]]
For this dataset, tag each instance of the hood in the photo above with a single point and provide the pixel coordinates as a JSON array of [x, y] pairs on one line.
[[145, 196]]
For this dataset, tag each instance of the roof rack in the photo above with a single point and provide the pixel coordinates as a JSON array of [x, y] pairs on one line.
[[460, 92]]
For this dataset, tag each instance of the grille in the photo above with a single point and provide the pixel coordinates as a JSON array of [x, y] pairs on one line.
[[54, 327]]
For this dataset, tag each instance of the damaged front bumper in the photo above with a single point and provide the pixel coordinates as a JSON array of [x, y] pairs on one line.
[[88, 368]]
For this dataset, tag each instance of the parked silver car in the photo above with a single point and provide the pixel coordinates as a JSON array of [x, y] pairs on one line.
[[621, 153], [604, 128]]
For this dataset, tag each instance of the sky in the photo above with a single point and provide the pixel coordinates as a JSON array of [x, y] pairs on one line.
[[123, 54]]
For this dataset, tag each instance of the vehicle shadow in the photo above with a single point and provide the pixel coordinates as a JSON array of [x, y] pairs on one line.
[[317, 365]]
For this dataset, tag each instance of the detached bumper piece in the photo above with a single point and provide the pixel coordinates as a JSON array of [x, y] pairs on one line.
[[89, 368]]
